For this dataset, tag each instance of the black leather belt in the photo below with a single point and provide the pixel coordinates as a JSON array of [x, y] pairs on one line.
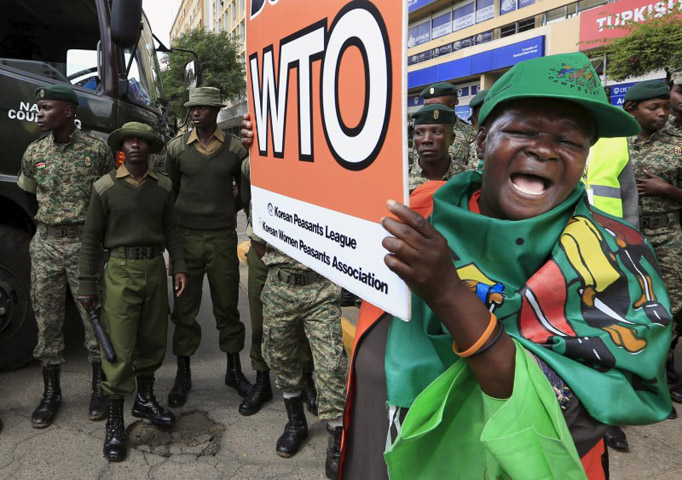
[[62, 231], [654, 220], [136, 253], [297, 279]]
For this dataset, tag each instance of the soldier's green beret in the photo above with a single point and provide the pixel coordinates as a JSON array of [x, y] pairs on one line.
[[57, 92], [441, 89], [135, 129], [478, 99], [647, 90], [434, 113], [569, 77]]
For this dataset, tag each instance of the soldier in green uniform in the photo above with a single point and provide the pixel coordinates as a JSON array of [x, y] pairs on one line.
[[432, 135], [58, 171], [445, 93], [295, 295], [131, 215], [656, 156], [204, 164], [258, 272]]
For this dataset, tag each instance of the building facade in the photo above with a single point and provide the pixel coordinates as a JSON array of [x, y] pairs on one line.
[[471, 43]]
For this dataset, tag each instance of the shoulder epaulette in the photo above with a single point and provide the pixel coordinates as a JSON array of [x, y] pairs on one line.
[[104, 183], [237, 147], [165, 182], [172, 146], [36, 142]]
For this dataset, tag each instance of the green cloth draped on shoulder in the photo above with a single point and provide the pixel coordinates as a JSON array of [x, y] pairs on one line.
[[576, 287], [523, 437]]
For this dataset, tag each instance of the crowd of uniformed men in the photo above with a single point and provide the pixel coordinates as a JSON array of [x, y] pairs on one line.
[[102, 227]]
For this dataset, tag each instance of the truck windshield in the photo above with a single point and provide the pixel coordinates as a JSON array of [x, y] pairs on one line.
[[56, 40]]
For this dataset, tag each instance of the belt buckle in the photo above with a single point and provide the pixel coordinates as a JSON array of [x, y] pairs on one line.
[[136, 253]]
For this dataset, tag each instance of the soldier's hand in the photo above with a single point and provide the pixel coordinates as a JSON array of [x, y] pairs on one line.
[[259, 248], [652, 185], [247, 131], [88, 301], [180, 283]]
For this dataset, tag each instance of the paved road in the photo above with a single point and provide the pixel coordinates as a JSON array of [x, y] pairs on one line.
[[72, 447]]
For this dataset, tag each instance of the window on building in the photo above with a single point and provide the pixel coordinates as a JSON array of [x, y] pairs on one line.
[[508, 30], [441, 24], [463, 15], [587, 4], [555, 15], [526, 24]]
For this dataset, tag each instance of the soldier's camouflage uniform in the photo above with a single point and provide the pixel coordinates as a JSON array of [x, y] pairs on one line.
[[661, 155], [458, 151], [675, 124], [316, 306], [61, 176]]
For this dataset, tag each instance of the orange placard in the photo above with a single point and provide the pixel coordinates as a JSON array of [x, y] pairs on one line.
[[326, 85]]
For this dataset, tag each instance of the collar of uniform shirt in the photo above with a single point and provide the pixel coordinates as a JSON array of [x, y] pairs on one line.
[[123, 172]]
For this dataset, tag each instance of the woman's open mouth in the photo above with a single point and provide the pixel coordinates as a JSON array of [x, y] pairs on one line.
[[529, 184]]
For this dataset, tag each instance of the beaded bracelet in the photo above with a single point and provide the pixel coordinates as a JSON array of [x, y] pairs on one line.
[[480, 342]]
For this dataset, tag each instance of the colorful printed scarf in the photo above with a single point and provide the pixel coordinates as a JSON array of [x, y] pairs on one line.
[[578, 288]]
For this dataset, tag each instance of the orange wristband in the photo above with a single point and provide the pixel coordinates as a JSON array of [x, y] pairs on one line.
[[480, 342]]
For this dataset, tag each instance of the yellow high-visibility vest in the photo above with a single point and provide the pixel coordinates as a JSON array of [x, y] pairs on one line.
[[606, 161]]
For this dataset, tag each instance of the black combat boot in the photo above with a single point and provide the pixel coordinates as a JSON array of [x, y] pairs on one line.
[[331, 466], [146, 406], [261, 393], [115, 436], [177, 397], [296, 429], [234, 376], [98, 404], [52, 398], [309, 392]]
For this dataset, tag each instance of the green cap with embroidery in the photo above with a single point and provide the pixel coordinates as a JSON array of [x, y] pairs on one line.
[[434, 113], [56, 92], [441, 89], [647, 90], [138, 130], [569, 77]]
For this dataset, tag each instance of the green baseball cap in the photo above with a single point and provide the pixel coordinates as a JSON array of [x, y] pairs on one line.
[[441, 89], [434, 113], [647, 90], [139, 130], [56, 92], [478, 99], [569, 77], [204, 97]]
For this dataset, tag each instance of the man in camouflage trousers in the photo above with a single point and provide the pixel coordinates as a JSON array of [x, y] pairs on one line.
[[445, 93], [59, 169], [293, 295]]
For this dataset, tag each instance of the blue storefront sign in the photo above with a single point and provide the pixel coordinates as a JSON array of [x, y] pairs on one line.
[[618, 92], [413, 5], [485, 10], [463, 16], [479, 63], [414, 101], [463, 112]]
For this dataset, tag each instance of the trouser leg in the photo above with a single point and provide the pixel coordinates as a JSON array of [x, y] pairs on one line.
[[222, 269], [153, 326], [71, 268], [322, 324], [122, 307], [281, 318], [187, 332], [258, 272], [48, 291]]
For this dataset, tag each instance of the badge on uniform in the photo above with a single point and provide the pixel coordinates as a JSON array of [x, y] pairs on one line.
[[88, 162], [42, 92], [40, 165]]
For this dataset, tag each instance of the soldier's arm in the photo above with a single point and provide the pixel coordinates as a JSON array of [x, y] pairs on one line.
[[172, 170], [173, 237], [628, 193], [26, 182], [91, 251], [106, 160]]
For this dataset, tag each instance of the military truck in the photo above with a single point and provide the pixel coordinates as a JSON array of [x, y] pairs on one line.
[[103, 49]]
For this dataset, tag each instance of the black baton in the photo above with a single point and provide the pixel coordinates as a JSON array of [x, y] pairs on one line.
[[102, 337]]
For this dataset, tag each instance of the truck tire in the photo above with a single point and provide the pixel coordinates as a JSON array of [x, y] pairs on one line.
[[18, 328]]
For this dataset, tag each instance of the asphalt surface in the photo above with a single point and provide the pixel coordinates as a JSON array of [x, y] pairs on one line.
[[212, 440]]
